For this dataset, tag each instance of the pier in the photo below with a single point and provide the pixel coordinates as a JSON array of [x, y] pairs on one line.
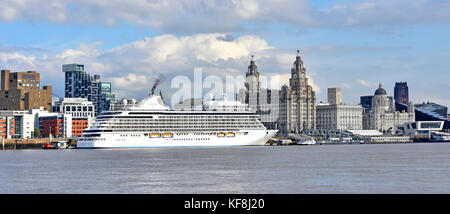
[[15, 144]]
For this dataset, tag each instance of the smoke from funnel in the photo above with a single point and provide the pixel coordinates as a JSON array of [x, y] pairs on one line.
[[154, 86], [157, 82]]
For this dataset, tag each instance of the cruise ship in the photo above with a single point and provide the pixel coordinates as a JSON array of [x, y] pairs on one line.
[[150, 123]]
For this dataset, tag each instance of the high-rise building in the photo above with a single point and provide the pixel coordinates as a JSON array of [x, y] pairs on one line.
[[79, 84], [21, 91], [299, 101], [401, 93], [334, 96]]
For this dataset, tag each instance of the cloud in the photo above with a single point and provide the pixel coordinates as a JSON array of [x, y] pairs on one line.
[[334, 48], [387, 12], [211, 16], [133, 67], [365, 83]]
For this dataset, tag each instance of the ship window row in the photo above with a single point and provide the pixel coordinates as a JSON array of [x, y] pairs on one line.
[[181, 123], [174, 122], [183, 139], [198, 127], [175, 119], [177, 124], [192, 127], [184, 130]]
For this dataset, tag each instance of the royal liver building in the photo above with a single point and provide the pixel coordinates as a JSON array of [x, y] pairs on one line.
[[297, 102]]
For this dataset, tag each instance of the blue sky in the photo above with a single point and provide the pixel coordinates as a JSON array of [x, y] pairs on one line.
[[348, 43]]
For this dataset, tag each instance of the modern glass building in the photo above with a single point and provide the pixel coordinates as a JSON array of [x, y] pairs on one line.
[[366, 102], [106, 97], [79, 84]]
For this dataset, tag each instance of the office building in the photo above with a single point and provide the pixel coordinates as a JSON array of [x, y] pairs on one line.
[[334, 116], [79, 84], [366, 103], [57, 124], [21, 91], [81, 110]]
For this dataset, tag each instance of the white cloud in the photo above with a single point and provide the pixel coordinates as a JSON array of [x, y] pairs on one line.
[[209, 16], [133, 67], [365, 83]]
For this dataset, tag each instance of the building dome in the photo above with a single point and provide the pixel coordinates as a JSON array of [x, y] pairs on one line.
[[380, 91]]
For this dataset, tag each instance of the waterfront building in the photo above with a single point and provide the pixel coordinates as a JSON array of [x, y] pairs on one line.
[[7, 127], [24, 122], [433, 107], [57, 124], [366, 102], [401, 93], [383, 115], [79, 84], [429, 111], [259, 99], [21, 91], [81, 110], [421, 127], [298, 101], [338, 116]]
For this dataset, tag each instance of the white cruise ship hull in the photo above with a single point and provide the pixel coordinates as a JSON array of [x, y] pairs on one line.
[[141, 140]]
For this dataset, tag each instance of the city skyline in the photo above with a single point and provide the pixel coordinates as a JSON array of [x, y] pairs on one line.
[[357, 50]]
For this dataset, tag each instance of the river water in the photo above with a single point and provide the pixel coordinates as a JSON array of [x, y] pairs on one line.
[[382, 168]]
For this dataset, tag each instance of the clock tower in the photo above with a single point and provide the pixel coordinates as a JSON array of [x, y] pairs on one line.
[[300, 100]]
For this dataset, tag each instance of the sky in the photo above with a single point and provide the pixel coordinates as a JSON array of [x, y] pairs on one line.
[[351, 44]]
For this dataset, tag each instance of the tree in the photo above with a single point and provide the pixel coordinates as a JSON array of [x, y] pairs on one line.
[[37, 133]]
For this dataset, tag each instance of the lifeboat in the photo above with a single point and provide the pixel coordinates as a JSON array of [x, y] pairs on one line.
[[155, 135], [167, 135], [230, 134], [220, 134]]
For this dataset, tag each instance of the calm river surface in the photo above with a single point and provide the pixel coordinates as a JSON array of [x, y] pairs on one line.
[[393, 168]]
